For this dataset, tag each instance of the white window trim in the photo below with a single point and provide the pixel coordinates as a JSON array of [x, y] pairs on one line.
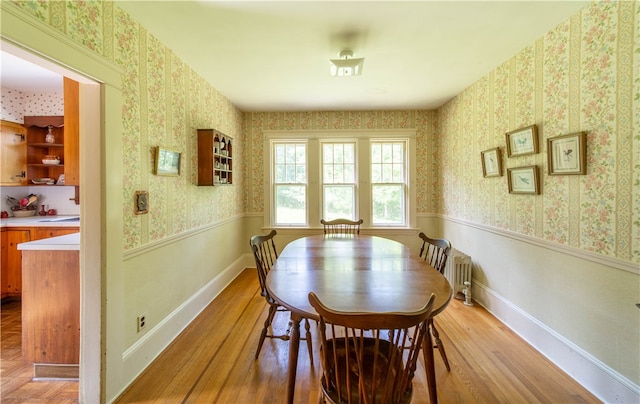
[[313, 139]]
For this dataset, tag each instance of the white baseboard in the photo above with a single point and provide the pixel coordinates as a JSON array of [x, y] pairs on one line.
[[146, 349], [602, 381]]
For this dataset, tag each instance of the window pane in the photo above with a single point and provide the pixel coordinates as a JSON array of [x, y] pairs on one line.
[[301, 154], [280, 174], [327, 152], [290, 163], [376, 153], [339, 202], [279, 151], [291, 204], [398, 173], [388, 204]]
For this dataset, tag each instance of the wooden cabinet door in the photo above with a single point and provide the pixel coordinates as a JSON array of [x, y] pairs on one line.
[[13, 154], [4, 270], [14, 261], [71, 132]]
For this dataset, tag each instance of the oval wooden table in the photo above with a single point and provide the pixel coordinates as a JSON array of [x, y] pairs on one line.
[[354, 273]]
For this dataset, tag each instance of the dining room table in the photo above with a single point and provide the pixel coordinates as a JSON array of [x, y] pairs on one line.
[[354, 273]]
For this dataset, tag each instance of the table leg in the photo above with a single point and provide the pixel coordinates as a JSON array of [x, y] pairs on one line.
[[427, 348], [294, 344]]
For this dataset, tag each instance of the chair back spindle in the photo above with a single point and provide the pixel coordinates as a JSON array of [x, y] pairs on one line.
[[341, 226], [369, 357], [435, 251]]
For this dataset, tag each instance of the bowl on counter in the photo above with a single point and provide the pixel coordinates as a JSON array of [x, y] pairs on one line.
[[24, 213]]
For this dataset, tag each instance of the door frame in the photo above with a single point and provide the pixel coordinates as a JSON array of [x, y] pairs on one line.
[[100, 190]]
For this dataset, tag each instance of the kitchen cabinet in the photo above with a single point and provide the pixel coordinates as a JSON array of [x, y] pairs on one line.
[[45, 136], [39, 233], [11, 270], [55, 136], [13, 154], [72, 133], [51, 311], [12, 260], [215, 158]]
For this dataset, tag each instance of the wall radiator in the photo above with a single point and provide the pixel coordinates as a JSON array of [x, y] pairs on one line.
[[458, 272]]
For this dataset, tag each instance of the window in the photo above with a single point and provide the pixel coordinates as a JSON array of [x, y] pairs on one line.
[[329, 174], [388, 183], [339, 181], [290, 183]]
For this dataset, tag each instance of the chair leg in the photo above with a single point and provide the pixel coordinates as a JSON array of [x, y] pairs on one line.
[[439, 344], [309, 342], [267, 323]]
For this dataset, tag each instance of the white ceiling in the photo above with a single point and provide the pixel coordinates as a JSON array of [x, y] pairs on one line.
[[273, 55], [18, 74]]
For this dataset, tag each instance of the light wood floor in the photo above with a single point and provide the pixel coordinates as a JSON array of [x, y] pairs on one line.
[[212, 362], [16, 385]]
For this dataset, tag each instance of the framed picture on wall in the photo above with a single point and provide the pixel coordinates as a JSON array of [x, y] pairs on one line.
[[522, 141], [491, 162], [567, 154], [167, 162], [523, 180]]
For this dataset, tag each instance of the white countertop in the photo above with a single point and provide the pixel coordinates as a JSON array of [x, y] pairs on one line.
[[41, 221], [67, 242]]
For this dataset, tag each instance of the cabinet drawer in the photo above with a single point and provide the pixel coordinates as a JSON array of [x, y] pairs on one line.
[[38, 233]]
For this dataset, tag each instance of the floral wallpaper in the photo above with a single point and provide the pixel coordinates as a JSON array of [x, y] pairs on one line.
[[582, 76], [16, 104], [165, 102], [421, 121]]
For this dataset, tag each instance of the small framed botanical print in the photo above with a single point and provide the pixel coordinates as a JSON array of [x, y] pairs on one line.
[[523, 180], [567, 154], [491, 163], [522, 141]]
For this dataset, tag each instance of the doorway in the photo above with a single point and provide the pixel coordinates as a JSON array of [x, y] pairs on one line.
[[91, 129]]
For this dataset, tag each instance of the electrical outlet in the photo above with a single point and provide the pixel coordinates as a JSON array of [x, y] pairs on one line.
[[142, 322]]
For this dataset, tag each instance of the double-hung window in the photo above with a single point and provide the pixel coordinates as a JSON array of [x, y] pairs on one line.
[[388, 183], [290, 183], [339, 179], [327, 175]]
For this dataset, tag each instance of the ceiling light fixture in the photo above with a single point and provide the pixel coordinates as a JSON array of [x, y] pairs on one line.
[[346, 65]]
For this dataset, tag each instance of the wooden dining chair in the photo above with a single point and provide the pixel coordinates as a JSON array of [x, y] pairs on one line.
[[436, 251], [369, 357], [265, 255], [341, 226]]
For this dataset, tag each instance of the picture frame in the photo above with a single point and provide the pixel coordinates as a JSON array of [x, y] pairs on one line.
[[491, 163], [141, 202], [523, 141], [567, 154], [167, 162], [523, 180]]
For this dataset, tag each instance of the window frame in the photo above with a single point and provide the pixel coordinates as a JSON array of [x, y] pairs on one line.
[[405, 182], [356, 188], [272, 184], [314, 140]]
